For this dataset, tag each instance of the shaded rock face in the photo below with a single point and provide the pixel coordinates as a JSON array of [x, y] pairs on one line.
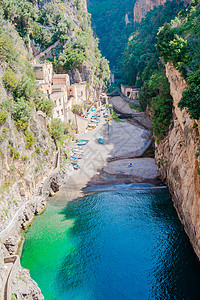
[[143, 6], [178, 165]]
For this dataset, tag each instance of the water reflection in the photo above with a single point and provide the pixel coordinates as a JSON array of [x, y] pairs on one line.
[[122, 245]]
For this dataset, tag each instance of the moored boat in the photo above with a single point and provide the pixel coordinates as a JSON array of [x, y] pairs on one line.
[[82, 140], [81, 143]]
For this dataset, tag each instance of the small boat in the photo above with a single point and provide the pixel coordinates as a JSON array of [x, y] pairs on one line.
[[92, 124], [78, 151], [82, 140], [90, 128], [77, 156], [94, 109], [76, 167], [101, 141], [74, 158], [81, 143]]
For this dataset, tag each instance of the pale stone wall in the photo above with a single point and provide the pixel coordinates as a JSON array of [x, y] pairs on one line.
[[59, 102], [80, 122], [61, 79], [43, 72]]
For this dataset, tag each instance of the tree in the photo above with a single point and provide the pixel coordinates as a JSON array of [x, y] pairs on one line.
[[56, 131]]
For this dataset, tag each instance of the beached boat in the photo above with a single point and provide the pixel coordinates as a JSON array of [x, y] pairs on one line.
[[74, 158], [92, 124], [79, 151], [76, 167], [77, 156], [81, 143], [82, 140], [101, 141], [90, 128]]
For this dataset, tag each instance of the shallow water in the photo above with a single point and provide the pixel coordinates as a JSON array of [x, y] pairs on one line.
[[114, 244]]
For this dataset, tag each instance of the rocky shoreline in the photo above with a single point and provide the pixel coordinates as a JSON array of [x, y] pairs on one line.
[[11, 239]]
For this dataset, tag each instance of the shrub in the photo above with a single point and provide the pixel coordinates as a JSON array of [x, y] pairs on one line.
[[136, 107], [24, 157], [71, 58], [77, 109], [191, 101], [57, 129], [16, 155], [156, 93], [162, 113], [12, 150], [21, 125], [171, 46], [26, 89], [8, 52], [21, 110], [37, 150], [30, 140], [5, 129], [45, 105], [3, 116], [9, 80], [46, 152]]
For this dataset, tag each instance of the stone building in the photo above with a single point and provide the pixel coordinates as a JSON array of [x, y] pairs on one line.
[[43, 72], [61, 79], [46, 88], [60, 101], [103, 99], [78, 94], [130, 92]]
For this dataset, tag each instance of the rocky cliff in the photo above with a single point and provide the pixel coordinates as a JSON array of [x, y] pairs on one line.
[[177, 157], [143, 6]]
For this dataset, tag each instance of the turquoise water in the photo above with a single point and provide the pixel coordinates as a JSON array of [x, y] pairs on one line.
[[125, 244]]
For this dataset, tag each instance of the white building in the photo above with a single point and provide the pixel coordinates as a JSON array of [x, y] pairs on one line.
[[60, 101]]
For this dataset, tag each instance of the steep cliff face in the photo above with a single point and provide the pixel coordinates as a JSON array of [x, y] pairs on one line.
[[143, 6], [178, 163]]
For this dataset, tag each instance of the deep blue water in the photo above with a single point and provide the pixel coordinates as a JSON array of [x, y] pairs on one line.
[[126, 244]]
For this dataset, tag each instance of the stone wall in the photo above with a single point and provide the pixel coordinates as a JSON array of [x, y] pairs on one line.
[[177, 164], [80, 122]]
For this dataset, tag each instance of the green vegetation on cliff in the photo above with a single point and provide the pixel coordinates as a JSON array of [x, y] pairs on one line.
[[179, 43], [42, 23], [108, 21], [140, 58], [141, 66]]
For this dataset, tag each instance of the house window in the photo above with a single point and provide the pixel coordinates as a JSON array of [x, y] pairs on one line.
[[59, 101], [62, 111], [128, 94], [81, 94], [58, 113]]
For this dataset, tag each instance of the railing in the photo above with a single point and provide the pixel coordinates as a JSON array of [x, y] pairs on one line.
[[7, 289]]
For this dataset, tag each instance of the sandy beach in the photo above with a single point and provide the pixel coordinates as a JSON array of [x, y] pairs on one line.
[[124, 143]]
